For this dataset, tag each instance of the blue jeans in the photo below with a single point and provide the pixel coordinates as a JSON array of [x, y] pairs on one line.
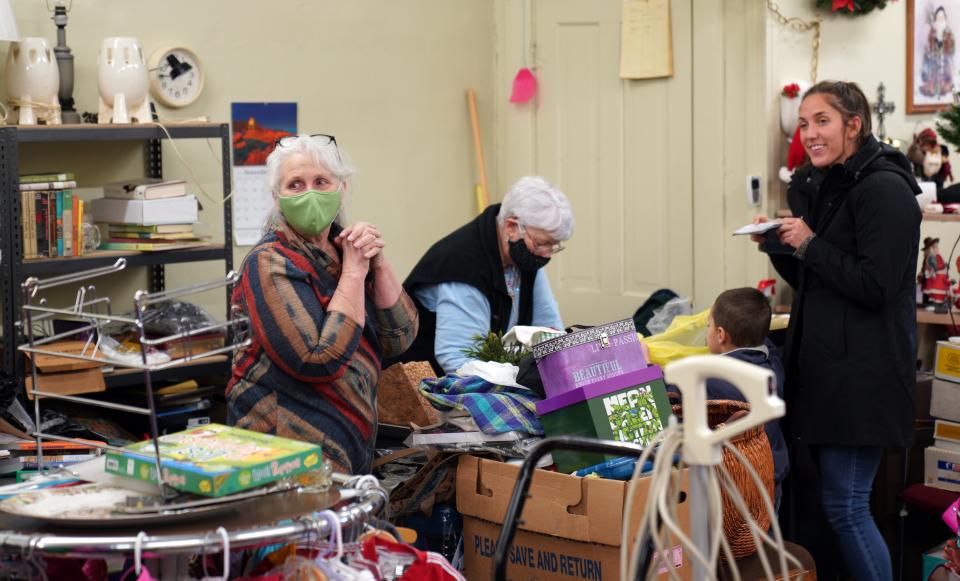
[[846, 478]]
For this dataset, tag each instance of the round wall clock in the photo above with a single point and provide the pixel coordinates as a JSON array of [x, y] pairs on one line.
[[176, 76]]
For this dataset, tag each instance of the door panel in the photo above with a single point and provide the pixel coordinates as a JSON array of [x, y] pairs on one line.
[[620, 150]]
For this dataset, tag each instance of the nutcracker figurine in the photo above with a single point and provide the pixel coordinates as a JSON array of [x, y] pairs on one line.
[[935, 282], [955, 296]]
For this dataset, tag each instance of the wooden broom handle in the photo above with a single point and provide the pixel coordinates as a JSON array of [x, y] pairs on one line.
[[478, 148]]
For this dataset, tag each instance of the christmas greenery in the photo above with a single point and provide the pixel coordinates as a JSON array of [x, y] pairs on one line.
[[948, 126], [490, 347], [851, 7]]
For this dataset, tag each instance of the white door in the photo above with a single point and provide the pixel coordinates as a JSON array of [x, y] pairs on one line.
[[621, 151]]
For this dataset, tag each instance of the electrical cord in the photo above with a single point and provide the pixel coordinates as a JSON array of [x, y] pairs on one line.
[[186, 165], [45, 111], [768, 505], [628, 508], [660, 519], [733, 494]]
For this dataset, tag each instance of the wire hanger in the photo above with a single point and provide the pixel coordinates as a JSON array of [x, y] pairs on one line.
[[138, 553], [225, 538], [335, 567]]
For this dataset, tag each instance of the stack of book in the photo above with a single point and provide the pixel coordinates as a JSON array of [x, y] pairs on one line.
[[21, 454], [51, 215], [148, 214], [942, 459]]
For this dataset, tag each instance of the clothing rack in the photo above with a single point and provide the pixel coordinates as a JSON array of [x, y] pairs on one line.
[[366, 503], [363, 495], [96, 312]]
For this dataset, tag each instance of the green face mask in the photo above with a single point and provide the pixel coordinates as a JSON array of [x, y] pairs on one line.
[[310, 212]]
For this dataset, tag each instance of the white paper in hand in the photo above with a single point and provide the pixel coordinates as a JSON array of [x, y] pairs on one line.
[[756, 228]]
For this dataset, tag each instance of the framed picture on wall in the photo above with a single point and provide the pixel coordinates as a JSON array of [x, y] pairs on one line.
[[932, 75]]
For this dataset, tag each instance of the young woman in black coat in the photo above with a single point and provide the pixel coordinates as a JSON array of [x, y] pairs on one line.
[[850, 254]]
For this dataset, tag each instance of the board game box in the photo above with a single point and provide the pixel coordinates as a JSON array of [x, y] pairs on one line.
[[216, 460]]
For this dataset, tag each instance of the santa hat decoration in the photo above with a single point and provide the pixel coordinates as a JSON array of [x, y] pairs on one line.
[[927, 137], [796, 154]]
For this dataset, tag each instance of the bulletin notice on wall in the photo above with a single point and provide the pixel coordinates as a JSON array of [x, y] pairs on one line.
[[256, 128], [646, 41]]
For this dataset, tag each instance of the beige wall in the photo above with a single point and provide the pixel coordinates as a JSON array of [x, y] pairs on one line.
[[868, 50], [388, 78], [726, 143]]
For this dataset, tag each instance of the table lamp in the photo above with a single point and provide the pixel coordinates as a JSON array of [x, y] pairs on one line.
[[8, 24], [8, 32], [32, 81], [64, 60]]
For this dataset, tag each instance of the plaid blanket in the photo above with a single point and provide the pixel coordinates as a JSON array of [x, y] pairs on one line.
[[495, 408]]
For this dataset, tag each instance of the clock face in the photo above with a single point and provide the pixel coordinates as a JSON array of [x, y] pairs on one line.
[[176, 76]]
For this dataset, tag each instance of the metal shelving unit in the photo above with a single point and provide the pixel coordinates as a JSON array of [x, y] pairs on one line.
[[13, 269]]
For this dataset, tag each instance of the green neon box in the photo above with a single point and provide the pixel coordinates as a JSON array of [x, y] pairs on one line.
[[216, 460], [628, 408]]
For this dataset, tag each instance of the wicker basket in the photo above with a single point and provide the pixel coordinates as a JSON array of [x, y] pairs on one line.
[[754, 445]]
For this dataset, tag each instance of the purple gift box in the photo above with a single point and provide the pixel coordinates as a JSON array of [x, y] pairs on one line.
[[589, 356], [577, 395]]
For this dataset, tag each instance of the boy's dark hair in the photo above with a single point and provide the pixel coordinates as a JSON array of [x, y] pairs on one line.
[[744, 314]]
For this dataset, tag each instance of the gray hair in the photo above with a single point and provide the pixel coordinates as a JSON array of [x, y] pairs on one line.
[[537, 203], [328, 156]]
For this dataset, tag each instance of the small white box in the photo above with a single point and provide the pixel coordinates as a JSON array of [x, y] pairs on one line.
[[945, 400], [182, 210], [941, 468], [947, 445]]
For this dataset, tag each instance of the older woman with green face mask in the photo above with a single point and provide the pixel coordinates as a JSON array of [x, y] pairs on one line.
[[325, 308]]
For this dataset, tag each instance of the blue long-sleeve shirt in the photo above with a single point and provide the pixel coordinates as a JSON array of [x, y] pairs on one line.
[[463, 312]]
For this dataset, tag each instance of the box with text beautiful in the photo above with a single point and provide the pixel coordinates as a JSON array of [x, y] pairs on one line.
[[570, 527], [588, 356]]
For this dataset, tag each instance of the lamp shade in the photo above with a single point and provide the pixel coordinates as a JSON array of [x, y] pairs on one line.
[[8, 24]]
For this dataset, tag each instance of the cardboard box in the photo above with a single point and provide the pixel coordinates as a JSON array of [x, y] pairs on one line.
[[946, 435], [947, 363], [181, 210], [64, 375], [945, 400], [570, 526], [68, 382], [941, 468]]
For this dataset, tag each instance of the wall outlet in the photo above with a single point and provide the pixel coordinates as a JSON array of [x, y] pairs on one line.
[[753, 190]]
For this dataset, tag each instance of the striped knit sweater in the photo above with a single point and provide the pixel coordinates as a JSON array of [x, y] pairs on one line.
[[311, 374]]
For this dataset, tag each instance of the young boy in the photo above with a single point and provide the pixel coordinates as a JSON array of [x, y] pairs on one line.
[[738, 326]]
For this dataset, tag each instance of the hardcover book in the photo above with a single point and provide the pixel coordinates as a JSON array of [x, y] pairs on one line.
[[216, 460], [145, 189]]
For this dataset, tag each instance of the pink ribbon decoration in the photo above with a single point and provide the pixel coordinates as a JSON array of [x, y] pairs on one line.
[[524, 86]]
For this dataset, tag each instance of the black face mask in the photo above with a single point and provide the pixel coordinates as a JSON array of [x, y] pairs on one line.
[[523, 258]]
